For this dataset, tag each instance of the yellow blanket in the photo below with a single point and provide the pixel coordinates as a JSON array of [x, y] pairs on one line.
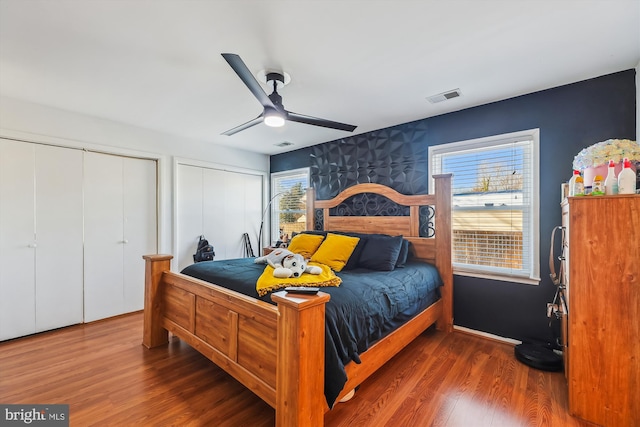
[[266, 281]]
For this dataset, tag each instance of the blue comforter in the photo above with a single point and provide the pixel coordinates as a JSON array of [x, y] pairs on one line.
[[364, 308]]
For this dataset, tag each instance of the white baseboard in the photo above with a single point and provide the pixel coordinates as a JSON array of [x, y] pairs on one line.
[[486, 335]]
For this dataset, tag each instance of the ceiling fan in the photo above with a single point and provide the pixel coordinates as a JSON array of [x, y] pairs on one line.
[[274, 113]]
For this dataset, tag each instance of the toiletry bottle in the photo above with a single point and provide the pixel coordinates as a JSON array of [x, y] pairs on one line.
[[597, 188], [579, 186], [626, 179], [572, 183], [611, 182]]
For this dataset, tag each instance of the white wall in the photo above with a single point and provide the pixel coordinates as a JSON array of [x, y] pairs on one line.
[[638, 102], [37, 123]]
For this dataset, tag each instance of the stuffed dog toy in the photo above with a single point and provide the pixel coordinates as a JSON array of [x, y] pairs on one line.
[[287, 264]]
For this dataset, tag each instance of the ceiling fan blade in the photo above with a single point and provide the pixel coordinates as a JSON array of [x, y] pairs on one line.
[[243, 126], [300, 118], [245, 75]]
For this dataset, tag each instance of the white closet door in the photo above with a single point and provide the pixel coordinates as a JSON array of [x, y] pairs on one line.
[[104, 236], [218, 200], [17, 240], [243, 215], [140, 227], [253, 210], [59, 281], [234, 225], [189, 200]]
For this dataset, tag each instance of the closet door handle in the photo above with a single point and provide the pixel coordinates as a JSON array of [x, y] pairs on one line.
[[125, 241], [32, 245]]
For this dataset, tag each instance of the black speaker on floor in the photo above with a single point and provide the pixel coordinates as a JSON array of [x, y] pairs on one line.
[[539, 357]]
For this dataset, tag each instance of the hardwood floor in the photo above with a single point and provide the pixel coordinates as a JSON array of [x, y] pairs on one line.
[[109, 379]]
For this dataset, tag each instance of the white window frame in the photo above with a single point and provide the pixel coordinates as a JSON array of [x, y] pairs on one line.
[[532, 273], [275, 198]]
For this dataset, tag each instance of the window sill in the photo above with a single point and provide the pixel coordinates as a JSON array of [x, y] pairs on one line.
[[513, 279]]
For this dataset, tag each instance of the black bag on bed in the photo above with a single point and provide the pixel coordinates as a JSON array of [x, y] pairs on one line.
[[204, 252]]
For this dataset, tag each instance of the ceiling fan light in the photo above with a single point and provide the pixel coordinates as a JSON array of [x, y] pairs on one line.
[[273, 119]]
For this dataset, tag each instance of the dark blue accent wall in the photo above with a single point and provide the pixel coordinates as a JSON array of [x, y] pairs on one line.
[[569, 117]]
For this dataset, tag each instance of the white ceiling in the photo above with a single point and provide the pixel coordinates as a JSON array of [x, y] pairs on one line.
[[156, 64]]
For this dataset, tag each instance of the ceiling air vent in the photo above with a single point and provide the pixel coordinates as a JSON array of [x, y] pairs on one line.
[[450, 94], [283, 144]]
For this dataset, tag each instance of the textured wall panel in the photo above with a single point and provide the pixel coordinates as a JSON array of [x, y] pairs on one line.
[[396, 157]]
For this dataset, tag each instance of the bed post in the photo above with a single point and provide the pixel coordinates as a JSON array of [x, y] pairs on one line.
[[153, 333], [443, 256], [311, 217], [300, 397]]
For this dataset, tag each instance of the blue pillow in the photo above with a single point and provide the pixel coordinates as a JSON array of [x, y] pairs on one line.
[[380, 252], [404, 254]]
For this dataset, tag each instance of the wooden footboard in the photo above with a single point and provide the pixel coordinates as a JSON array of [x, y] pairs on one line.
[[272, 350]]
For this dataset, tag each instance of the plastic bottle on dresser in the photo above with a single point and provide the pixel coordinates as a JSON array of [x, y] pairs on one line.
[[597, 188], [579, 186], [572, 182], [626, 179], [611, 182], [576, 184]]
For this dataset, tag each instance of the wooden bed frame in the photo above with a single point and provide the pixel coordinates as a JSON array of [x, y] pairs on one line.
[[274, 350]]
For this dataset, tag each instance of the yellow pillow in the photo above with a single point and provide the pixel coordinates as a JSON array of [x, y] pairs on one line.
[[335, 251], [305, 244]]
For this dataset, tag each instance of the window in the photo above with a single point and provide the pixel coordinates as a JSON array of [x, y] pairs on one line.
[[495, 205], [288, 206]]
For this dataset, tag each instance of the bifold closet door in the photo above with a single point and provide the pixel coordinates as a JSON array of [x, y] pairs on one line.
[[104, 236], [189, 200], [40, 238], [140, 226], [219, 203], [59, 237], [120, 227], [252, 190], [17, 239]]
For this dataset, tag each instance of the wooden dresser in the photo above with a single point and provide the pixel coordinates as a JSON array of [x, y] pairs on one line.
[[602, 357]]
